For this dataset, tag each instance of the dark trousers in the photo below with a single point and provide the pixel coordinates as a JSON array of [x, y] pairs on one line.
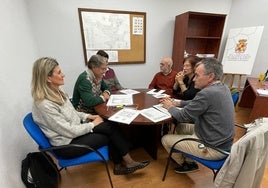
[[104, 134]]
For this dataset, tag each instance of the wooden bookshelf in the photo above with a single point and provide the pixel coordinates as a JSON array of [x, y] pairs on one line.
[[196, 33]]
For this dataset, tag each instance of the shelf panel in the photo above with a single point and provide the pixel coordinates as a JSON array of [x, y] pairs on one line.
[[202, 37], [202, 46]]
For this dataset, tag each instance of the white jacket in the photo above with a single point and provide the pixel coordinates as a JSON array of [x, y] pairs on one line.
[[245, 165]]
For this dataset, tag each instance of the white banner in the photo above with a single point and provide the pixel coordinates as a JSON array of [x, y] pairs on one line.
[[241, 49]]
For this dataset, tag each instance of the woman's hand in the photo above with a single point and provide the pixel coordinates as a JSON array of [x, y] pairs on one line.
[[98, 120], [106, 95], [92, 117], [179, 77]]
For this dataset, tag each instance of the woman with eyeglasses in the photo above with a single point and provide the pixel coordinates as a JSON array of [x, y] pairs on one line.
[[184, 84]]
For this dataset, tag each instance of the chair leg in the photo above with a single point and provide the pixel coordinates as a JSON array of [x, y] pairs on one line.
[[167, 165], [62, 168], [215, 172], [108, 172], [174, 129]]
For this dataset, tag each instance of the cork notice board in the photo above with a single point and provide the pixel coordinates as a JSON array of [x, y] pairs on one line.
[[122, 34]]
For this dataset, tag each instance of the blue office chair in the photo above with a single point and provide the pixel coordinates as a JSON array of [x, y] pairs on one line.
[[44, 146], [214, 165], [235, 95]]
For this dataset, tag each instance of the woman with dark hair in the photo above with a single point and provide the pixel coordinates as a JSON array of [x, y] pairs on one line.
[[184, 84], [109, 77]]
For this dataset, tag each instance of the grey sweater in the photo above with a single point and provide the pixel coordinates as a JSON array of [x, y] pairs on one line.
[[212, 110], [60, 123]]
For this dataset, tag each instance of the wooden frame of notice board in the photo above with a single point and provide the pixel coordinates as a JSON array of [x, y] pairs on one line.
[[122, 34]]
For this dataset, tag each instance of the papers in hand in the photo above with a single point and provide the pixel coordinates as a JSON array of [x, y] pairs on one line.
[[262, 92], [154, 114], [116, 100], [126, 115]]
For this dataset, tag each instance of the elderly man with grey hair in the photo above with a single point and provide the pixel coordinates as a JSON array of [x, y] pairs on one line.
[[212, 111], [164, 79]]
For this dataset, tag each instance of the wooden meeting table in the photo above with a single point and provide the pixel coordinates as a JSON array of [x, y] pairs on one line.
[[141, 131], [251, 99]]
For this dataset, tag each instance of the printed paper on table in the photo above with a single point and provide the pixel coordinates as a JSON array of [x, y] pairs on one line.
[[154, 114], [116, 100], [155, 91], [129, 91], [125, 115]]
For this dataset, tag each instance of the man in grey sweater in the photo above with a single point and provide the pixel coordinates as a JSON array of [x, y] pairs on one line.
[[212, 112]]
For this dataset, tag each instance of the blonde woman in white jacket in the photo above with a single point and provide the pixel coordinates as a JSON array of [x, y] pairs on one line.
[[62, 124]]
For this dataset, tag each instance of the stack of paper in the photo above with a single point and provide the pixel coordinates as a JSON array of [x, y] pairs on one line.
[[262, 92]]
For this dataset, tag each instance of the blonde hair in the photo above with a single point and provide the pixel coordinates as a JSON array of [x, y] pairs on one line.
[[40, 87]]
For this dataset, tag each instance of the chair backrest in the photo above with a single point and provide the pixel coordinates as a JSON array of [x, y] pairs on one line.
[[245, 165], [235, 95], [35, 132], [43, 143]]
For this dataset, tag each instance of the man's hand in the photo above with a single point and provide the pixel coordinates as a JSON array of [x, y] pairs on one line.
[[167, 102]]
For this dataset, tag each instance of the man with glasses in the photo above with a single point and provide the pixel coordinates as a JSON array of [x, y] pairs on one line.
[[164, 79]]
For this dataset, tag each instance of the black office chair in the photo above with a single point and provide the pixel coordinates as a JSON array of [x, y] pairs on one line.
[[213, 165], [44, 146]]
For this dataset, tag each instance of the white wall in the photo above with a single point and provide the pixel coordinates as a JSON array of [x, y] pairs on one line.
[[34, 28], [17, 52], [60, 36]]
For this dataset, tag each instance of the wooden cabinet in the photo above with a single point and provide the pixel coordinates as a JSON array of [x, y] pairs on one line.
[[196, 33]]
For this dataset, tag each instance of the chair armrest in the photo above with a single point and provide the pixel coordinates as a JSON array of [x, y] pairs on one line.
[[201, 142], [240, 126], [53, 148]]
